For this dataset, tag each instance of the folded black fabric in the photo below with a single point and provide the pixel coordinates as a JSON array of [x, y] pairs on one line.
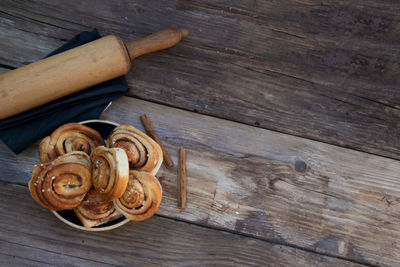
[[22, 130]]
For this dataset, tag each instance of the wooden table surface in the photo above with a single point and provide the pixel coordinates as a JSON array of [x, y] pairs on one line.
[[290, 113]]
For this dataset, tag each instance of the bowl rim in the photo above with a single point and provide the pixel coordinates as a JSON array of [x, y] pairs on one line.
[[98, 228]]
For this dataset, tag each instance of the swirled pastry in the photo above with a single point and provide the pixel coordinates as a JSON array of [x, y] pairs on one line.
[[142, 197], [144, 153], [62, 183], [94, 211], [69, 137], [110, 172]]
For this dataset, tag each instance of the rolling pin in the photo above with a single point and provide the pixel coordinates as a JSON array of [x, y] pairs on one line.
[[76, 69]]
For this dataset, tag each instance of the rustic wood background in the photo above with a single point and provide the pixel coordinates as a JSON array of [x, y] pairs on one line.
[[290, 114]]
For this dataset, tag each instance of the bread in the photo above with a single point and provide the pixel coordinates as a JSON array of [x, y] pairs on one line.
[[62, 183], [110, 172], [99, 183], [144, 154], [67, 138], [142, 197], [94, 210]]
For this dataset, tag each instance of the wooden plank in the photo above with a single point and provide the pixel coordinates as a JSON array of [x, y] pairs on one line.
[[15, 254], [7, 260], [156, 242], [325, 71], [269, 185]]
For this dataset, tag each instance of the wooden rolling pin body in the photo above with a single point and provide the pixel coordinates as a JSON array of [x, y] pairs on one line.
[[76, 69]]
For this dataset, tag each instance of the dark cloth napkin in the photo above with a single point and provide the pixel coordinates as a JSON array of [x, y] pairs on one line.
[[22, 130]]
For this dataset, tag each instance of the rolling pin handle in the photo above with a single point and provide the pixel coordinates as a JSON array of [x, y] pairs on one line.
[[155, 42], [184, 32]]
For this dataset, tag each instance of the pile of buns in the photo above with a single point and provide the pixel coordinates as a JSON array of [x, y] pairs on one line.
[[100, 180]]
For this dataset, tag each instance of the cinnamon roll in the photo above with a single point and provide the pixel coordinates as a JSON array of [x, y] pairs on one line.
[[62, 183], [110, 172], [144, 153], [69, 137], [94, 210], [141, 198]]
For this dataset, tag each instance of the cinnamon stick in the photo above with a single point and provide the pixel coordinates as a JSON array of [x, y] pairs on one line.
[[182, 179], [148, 126]]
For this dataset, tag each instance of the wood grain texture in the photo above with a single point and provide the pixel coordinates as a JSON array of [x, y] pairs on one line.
[[269, 185], [326, 71], [323, 70], [45, 241]]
